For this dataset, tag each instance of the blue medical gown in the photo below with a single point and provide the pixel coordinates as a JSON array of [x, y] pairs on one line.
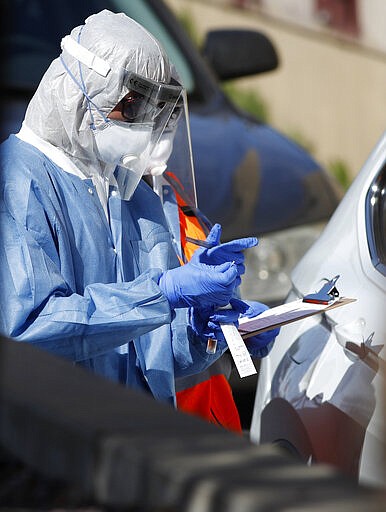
[[84, 288]]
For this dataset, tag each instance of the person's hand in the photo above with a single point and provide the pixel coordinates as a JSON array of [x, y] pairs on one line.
[[205, 322], [199, 285], [260, 344], [220, 253]]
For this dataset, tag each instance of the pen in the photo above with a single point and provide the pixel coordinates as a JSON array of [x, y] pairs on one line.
[[201, 243]]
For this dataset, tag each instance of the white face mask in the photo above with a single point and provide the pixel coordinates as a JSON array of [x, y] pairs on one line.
[[160, 154], [122, 143]]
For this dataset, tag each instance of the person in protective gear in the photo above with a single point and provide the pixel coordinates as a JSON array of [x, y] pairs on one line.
[[88, 269], [207, 394]]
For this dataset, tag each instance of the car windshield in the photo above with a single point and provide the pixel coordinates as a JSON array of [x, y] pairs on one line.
[[32, 40]]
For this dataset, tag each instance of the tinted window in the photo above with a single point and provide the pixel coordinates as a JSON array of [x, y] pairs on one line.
[[376, 221]]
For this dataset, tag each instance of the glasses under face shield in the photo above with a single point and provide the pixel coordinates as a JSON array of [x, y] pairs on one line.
[[135, 109], [150, 102]]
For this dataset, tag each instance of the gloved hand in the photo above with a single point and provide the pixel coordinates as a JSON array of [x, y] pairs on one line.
[[199, 285], [261, 344], [220, 253], [206, 322]]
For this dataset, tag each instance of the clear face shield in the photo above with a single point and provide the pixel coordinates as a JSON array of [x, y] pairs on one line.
[[132, 130], [171, 160]]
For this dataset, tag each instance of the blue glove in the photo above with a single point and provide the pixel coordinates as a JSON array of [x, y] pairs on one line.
[[261, 344], [206, 322], [199, 285], [220, 253]]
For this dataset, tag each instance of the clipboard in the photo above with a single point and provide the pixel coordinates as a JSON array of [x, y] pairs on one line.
[[312, 304]]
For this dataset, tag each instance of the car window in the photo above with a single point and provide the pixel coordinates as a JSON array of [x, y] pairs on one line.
[[376, 221], [32, 40]]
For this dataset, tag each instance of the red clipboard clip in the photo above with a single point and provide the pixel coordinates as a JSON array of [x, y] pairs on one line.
[[325, 295]]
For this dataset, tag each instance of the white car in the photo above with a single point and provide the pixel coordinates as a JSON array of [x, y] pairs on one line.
[[320, 392]]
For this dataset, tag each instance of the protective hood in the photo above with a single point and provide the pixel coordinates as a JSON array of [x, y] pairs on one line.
[[76, 94]]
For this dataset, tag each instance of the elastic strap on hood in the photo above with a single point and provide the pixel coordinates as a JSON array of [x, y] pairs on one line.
[[86, 57]]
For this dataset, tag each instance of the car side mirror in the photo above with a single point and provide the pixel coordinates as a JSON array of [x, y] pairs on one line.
[[236, 53]]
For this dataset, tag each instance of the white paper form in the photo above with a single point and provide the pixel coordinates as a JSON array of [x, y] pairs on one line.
[[285, 314], [238, 350]]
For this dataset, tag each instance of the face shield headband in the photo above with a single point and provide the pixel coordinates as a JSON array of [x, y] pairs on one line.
[[146, 108]]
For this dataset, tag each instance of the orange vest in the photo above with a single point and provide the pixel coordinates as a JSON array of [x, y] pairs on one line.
[[211, 399]]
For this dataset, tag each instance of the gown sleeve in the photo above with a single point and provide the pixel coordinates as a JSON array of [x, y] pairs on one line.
[[38, 305]]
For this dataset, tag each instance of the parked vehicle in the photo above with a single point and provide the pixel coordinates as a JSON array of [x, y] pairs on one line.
[[321, 392], [250, 178]]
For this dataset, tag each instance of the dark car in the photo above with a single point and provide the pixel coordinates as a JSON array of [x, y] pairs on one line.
[[249, 177]]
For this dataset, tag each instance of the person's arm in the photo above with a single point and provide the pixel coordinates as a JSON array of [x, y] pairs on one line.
[[39, 306]]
